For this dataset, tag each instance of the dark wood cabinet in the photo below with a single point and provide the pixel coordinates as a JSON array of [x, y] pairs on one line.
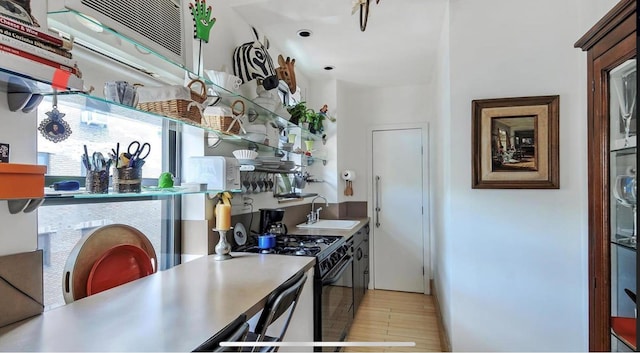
[[360, 265], [612, 161]]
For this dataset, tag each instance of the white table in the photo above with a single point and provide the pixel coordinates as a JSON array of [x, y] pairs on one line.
[[173, 310]]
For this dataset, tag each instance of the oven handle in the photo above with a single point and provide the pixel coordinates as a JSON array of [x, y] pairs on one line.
[[334, 279]]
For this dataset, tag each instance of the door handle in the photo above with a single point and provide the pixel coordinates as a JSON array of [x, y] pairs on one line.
[[377, 201]]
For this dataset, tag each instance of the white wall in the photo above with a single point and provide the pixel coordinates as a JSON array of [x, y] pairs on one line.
[[514, 265], [364, 107], [440, 172]]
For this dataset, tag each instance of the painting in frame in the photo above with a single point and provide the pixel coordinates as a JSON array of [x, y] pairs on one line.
[[515, 143]]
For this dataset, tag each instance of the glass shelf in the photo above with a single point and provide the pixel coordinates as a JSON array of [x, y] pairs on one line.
[[118, 47], [52, 195], [37, 80], [257, 169], [94, 35], [624, 241], [110, 108], [625, 150]]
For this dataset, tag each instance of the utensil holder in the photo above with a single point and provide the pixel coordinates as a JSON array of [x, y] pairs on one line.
[[97, 182], [127, 179]]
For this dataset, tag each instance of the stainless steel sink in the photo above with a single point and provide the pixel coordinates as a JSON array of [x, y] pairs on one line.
[[330, 224]]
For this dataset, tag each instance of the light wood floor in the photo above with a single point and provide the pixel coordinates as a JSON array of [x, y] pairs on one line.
[[396, 317]]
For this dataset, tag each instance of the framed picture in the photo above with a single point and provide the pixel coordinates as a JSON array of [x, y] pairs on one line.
[[515, 143], [4, 153]]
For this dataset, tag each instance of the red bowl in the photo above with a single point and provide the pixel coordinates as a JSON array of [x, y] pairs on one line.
[[118, 265]]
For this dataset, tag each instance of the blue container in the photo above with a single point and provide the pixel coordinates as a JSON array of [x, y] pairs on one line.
[[266, 241]]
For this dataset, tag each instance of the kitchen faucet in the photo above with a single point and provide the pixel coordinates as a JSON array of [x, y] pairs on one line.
[[314, 215]]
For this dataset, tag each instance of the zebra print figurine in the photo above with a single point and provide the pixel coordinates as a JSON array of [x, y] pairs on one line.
[[251, 61]]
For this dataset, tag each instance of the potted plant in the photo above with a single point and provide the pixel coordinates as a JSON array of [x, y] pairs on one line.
[[307, 118], [298, 113]]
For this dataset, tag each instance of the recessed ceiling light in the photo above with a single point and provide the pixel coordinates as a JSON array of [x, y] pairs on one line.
[[304, 33], [329, 68]]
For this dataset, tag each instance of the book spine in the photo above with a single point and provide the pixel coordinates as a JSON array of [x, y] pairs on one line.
[[32, 32], [36, 71], [73, 70], [43, 53], [35, 42]]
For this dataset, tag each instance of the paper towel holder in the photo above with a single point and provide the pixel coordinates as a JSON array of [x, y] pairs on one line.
[[348, 175]]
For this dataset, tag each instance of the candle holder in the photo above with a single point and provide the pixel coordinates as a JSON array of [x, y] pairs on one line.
[[222, 248]]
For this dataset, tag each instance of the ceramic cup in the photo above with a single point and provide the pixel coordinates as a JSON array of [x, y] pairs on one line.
[[249, 89]]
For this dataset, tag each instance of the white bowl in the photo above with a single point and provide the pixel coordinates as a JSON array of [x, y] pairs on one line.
[[245, 154]]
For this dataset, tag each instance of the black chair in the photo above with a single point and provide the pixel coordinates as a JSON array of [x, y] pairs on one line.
[[234, 332], [282, 299]]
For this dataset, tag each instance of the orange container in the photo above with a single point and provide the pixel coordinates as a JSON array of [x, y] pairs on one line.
[[21, 181]]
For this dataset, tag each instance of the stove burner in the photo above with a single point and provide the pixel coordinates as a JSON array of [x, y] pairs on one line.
[[296, 245]]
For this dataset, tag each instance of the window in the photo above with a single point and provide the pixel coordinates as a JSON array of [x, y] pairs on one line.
[[61, 224]]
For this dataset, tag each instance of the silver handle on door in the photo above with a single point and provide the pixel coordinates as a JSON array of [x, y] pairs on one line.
[[377, 201]]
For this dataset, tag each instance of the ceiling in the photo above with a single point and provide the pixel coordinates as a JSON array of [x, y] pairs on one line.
[[398, 47]]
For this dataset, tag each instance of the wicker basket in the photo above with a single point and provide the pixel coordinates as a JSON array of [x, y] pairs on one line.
[[222, 123], [174, 101]]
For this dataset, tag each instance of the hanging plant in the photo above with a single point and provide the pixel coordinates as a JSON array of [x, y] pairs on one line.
[[298, 113]]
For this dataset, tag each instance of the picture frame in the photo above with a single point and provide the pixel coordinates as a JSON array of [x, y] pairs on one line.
[[515, 143]]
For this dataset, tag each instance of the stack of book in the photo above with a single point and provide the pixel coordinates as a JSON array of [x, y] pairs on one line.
[[22, 45]]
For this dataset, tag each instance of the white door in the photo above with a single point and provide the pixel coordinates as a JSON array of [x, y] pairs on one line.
[[397, 235]]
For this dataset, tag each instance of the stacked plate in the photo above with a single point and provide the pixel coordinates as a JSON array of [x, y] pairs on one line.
[[287, 165], [255, 162], [272, 162]]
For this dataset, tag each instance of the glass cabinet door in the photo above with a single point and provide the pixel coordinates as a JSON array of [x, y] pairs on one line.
[[622, 123]]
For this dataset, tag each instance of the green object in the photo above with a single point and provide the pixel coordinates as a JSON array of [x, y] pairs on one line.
[[165, 180], [203, 22]]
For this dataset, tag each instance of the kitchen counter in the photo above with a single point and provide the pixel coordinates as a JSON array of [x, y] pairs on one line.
[[174, 310], [339, 232]]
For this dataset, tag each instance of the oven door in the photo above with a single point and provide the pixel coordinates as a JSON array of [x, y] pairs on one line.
[[337, 303]]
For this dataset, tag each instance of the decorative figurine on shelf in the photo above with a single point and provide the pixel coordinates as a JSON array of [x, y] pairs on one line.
[[252, 61], [202, 20], [165, 180], [287, 73], [325, 111], [202, 25], [54, 128]]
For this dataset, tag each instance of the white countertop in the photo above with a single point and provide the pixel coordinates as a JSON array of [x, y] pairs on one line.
[[174, 310], [337, 232]]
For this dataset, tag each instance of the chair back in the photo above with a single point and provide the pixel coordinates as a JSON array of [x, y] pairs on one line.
[[236, 331], [281, 299]]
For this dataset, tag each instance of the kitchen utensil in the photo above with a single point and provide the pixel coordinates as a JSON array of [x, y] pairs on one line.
[[91, 247], [278, 229], [138, 152], [269, 216], [240, 234], [118, 265], [266, 241]]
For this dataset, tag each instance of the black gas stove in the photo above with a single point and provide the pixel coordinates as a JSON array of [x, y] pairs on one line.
[[327, 249], [332, 289]]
